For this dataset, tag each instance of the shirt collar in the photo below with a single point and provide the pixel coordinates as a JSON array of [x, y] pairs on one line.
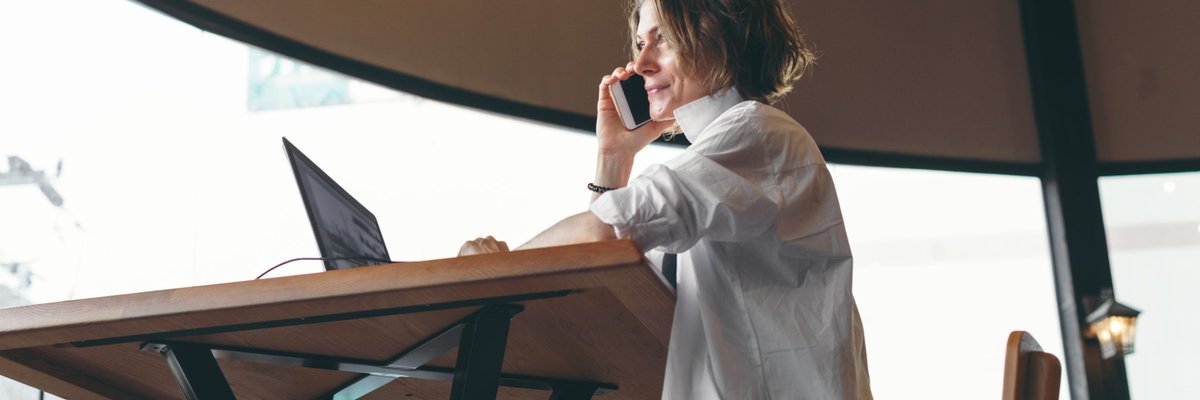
[[694, 117]]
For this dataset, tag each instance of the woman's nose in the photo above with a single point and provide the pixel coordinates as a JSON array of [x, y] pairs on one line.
[[644, 63]]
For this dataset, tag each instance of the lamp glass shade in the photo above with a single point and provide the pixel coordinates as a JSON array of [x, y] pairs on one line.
[[1116, 334]]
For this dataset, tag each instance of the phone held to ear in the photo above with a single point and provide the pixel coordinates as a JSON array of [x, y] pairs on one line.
[[632, 105]]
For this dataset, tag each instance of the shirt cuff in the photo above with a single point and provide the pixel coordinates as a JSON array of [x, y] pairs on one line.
[[613, 208]]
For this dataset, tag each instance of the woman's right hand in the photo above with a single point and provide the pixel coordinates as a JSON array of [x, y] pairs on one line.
[[483, 246], [613, 137]]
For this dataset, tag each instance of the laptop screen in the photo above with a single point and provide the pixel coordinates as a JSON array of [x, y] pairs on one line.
[[342, 226]]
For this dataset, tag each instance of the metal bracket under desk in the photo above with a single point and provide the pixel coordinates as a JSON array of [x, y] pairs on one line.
[[480, 339], [195, 370]]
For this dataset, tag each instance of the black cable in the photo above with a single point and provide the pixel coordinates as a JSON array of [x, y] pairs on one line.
[[322, 259]]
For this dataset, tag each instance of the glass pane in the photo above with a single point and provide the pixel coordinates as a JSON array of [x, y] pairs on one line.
[[946, 265], [163, 166], [1153, 228]]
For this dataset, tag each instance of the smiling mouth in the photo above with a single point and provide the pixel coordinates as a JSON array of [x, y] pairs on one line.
[[651, 90]]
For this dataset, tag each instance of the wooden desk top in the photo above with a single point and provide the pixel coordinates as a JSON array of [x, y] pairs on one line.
[[612, 326]]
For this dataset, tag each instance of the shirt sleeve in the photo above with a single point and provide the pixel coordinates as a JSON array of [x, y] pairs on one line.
[[672, 206]]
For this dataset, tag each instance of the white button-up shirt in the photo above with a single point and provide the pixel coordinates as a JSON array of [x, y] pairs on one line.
[[764, 308]]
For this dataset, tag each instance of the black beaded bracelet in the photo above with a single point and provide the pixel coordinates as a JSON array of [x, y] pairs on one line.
[[599, 189]]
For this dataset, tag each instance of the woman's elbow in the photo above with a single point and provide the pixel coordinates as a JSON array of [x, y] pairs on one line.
[[597, 230]]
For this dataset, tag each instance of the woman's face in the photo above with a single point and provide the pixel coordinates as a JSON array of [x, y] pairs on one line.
[[666, 86]]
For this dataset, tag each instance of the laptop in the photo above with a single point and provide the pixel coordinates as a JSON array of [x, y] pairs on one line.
[[347, 233]]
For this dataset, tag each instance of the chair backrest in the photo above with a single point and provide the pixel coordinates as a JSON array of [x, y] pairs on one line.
[[1029, 372]]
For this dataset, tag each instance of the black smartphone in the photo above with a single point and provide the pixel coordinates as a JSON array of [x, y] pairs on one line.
[[632, 105]]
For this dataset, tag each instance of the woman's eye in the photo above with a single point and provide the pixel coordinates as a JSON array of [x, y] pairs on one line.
[[641, 45], [658, 41]]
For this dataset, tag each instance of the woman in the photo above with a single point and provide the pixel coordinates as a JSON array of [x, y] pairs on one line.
[[764, 308]]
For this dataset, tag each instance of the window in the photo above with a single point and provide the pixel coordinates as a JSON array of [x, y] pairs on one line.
[[1153, 228], [173, 172], [945, 266]]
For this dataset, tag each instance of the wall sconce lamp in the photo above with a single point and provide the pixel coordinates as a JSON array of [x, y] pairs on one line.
[[1114, 324]]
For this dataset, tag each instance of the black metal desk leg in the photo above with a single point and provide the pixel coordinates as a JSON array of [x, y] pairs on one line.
[[195, 370], [481, 353], [574, 391]]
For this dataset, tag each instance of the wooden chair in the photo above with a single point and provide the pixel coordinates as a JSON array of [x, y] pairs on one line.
[[1029, 372]]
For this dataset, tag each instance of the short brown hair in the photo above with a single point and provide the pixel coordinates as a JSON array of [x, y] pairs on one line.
[[751, 45]]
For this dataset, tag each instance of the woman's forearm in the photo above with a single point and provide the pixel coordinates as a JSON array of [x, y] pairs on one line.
[[612, 170], [579, 228]]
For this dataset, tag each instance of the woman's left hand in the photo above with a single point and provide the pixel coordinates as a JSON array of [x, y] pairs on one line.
[[482, 246], [613, 138]]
